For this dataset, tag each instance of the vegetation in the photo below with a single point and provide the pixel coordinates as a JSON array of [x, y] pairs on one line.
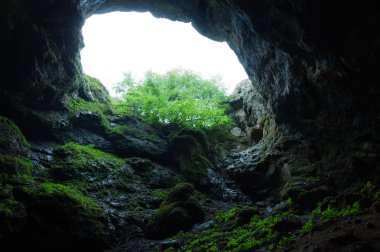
[[15, 170], [96, 100], [229, 233], [175, 98], [84, 156], [62, 193], [226, 236], [331, 212], [179, 211]]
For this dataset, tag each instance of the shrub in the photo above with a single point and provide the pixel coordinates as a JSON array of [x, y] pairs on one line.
[[175, 98]]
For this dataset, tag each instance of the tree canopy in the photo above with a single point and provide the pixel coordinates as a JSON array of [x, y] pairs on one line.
[[178, 97]]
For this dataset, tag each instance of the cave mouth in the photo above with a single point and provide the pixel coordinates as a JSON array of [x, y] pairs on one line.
[[135, 42]]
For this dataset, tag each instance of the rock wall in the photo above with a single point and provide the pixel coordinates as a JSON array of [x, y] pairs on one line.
[[314, 94]]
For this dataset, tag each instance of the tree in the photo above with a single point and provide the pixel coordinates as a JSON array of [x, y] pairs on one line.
[[178, 97]]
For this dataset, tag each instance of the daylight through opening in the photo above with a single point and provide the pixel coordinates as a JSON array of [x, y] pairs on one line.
[[132, 42]]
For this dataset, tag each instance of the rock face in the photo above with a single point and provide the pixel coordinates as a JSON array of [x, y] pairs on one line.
[[308, 120]]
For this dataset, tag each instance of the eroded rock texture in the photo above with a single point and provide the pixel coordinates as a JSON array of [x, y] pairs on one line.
[[308, 125]]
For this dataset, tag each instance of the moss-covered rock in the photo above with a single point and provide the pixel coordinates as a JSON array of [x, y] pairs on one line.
[[190, 150], [12, 141], [15, 174], [13, 216], [62, 217], [87, 164], [179, 211]]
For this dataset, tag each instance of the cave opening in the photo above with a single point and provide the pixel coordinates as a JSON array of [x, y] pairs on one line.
[[135, 42], [74, 175]]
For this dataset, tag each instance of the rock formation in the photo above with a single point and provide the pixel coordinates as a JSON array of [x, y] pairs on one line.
[[307, 121]]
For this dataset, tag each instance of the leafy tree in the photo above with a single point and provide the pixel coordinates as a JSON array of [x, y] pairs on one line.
[[177, 97]]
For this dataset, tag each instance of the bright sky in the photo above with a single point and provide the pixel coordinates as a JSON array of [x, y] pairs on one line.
[[134, 42]]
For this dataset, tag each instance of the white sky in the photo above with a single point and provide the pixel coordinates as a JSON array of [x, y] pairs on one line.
[[137, 42]]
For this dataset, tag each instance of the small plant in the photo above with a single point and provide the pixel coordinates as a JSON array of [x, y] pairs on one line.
[[307, 227], [331, 212]]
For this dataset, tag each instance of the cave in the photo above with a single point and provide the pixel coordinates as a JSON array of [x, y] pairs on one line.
[[68, 181]]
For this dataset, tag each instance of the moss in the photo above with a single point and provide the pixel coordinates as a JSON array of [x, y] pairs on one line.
[[99, 92], [12, 141], [179, 211], [160, 193], [7, 207], [224, 216], [12, 217], [80, 105], [64, 192], [61, 214], [191, 152], [263, 233], [257, 233], [93, 97], [85, 154], [75, 162], [15, 170]]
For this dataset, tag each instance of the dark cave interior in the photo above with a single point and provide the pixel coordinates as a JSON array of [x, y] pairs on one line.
[[71, 178]]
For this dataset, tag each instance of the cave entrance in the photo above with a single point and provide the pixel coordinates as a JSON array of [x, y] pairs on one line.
[[135, 42]]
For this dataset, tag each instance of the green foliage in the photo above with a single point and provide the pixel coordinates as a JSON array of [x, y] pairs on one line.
[[175, 98], [307, 227], [331, 212], [8, 206], [223, 216], [257, 233]]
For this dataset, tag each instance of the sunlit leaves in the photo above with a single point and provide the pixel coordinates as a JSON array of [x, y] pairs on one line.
[[177, 97]]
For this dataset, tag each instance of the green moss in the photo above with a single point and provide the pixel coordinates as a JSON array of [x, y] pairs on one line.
[[87, 153], [12, 216], [80, 105], [179, 211], [95, 97], [15, 169], [12, 130], [8, 206], [74, 159], [191, 151], [160, 193], [224, 216], [99, 92], [67, 193]]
